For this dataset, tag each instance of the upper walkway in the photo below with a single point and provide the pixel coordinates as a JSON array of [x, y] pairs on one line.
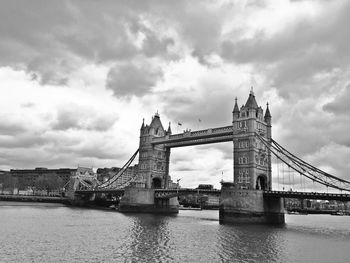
[[188, 137]]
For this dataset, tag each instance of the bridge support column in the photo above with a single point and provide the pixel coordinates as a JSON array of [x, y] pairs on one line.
[[249, 206], [167, 162], [142, 200]]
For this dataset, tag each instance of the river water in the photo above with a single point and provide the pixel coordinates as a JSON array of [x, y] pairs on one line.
[[55, 233]]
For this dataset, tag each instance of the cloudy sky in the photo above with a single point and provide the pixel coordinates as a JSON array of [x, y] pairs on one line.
[[77, 77]]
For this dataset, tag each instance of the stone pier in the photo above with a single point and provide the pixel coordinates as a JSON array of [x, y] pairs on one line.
[[142, 200], [239, 206]]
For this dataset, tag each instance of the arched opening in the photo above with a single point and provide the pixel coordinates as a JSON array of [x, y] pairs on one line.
[[156, 183], [261, 182]]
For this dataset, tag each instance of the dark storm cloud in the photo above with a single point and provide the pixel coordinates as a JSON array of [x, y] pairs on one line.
[[128, 80]]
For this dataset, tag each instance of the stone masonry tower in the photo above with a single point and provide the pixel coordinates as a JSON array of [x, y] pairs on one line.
[[243, 201], [252, 160], [153, 159]]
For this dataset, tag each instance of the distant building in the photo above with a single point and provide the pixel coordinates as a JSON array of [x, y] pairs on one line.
[[104, 174], [27, 177], [173, 185], [3, 174], [205, 186]]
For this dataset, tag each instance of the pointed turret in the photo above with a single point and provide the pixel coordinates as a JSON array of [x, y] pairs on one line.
[[143, 123], [169, 129], [235, 112], [267, 116], [251, 102], [235, 108]]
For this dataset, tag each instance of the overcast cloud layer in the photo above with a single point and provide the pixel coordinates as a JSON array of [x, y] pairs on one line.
[[77, 77]]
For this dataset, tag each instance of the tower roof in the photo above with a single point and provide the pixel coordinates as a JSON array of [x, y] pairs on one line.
[[267, 112], [251, 102], [235, 108], [156, 123]]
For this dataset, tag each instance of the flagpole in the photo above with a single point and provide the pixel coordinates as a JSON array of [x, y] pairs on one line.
[[199, 122], [178, 124]]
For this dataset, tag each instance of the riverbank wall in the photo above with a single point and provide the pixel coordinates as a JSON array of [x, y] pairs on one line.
[[33, 198]]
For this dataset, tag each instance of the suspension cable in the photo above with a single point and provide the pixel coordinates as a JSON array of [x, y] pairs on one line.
[[120, 173], [307, 170]]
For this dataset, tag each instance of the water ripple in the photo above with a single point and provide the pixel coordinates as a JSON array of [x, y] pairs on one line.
[[63, 234]]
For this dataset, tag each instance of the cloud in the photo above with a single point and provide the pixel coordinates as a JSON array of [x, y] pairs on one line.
[[340, 105], [73, 34], [128, 80], [10, 128], [295, 58], [26, 140], [73, 116]]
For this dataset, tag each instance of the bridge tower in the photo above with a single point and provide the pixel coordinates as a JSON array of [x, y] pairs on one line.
[[153, 171], [252, 161], [153, 159], [243, 201]]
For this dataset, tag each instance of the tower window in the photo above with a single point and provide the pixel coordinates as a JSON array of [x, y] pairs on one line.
[[242, 124]]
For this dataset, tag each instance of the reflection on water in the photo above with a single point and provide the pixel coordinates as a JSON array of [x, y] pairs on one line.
[[150, 239], [62, 234], [252, 243]]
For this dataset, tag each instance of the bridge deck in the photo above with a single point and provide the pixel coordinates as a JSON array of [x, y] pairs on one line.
[[100, 191], [308, 195], [168, 193]]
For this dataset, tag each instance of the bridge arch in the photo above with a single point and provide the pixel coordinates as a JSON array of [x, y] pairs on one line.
[[261, 182], [156, 182]]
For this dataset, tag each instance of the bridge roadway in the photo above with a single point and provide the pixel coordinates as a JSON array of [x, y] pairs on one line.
[[307, 195], [168, 193], [101, 191], [159, 193]]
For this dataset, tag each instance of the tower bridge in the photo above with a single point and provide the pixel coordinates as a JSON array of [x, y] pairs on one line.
[[249, 198]]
